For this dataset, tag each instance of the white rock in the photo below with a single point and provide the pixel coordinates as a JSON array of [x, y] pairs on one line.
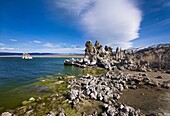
[[58, 82], [32, 99], [6, 114]]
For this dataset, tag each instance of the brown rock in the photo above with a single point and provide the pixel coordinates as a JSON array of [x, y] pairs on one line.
[[159, 77]]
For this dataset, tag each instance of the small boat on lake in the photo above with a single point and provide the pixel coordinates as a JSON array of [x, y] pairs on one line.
[[26, 56]]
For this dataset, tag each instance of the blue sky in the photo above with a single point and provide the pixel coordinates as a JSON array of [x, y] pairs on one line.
[[63, 26]]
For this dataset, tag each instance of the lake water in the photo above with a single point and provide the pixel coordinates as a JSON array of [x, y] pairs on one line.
[[17, 77]]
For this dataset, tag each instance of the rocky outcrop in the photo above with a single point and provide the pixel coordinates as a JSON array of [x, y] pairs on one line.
[[142, 60], [94, 56], [107, 86], [158, 56], [107, 89], [120, 110]]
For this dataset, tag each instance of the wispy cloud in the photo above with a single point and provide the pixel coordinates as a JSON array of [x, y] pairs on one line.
[[54, 45], [3, 48], [109, 21], [1, 44], [36, 41], [8, 49], [61, 50], [48, 45], [14, 40]]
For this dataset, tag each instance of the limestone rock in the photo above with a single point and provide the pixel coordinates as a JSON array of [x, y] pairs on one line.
[[73, 94], [166, 84], [6, 114]]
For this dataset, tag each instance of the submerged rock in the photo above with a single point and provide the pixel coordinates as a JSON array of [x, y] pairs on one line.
[[25, 103]]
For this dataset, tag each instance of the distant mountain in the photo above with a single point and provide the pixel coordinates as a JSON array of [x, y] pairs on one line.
[[36, 54], [156, 55], [8, 53], [148, 48]]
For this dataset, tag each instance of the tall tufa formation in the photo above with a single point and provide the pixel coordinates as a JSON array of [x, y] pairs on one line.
[[89, 48], [148, 59], [96, 55]]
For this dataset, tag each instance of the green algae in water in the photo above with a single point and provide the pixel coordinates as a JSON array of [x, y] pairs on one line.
[[18, 77], [12, 97], [88, 106], [93, 71]]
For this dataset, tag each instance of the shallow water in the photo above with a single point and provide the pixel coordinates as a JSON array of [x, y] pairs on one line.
[[18, 78], [149, 100]]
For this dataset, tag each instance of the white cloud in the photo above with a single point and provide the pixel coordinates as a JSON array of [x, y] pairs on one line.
[[36, 41], [48, 45], [113, 22], [3, 48], [1, 44], [61, 50], [14, 40], [8, 49]]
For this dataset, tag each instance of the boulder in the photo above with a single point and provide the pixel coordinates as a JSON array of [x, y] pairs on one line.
[[166, 84], [73, 94], [111, 111], [32, 99], [61, 112], [153, 83], [159, 77], [100, 97], [93, 95], [104, 63], [104, 114], [116, 96], [6, 114]]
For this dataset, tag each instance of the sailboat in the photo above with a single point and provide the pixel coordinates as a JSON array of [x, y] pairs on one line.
[[26, 56]]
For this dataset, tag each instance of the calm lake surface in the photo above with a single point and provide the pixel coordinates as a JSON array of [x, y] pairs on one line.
[[17, 77]]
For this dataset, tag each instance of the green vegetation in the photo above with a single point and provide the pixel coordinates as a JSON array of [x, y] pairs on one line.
[[53, 96]]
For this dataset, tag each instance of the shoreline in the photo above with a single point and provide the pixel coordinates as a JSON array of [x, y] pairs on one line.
[[70, 100], [99, 95], [45, 56]]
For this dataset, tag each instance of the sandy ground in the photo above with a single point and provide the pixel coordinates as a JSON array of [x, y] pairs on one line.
[[154, 75], [149, 99]]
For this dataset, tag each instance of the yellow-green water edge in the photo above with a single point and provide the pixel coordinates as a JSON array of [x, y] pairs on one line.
[[11, 96], [58, 85]]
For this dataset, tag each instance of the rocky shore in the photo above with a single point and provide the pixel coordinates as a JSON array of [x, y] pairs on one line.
[[98, 95], [153, 58], [103, 91], [107, 89]]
